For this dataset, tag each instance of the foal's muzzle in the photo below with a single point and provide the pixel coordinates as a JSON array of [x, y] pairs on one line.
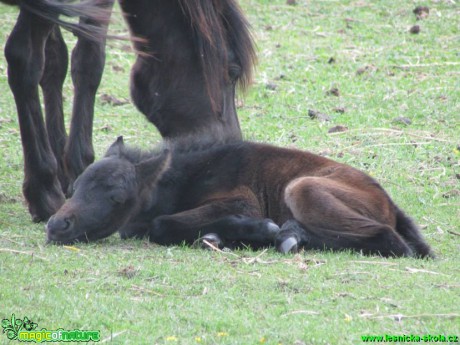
[[59, 228]]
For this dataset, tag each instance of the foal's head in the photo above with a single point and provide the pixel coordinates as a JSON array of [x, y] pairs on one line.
[[106, 195]]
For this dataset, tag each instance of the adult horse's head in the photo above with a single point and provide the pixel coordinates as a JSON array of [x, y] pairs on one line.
[[191, 55], [106, 195]]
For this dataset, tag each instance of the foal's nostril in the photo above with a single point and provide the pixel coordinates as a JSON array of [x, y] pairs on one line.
[[57, 224], [67, 223]]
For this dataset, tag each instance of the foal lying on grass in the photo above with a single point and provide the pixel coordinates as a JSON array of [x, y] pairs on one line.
[[235, 192]]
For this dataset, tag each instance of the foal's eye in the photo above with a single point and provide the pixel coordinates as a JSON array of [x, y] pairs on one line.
[[117, 199]]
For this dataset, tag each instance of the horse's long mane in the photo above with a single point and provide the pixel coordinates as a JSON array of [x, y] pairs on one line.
[[219, 25]]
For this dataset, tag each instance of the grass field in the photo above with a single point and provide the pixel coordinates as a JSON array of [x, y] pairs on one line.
[[397, 94]]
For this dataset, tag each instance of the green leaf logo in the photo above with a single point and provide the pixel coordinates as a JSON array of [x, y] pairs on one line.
[[29, 325], [13, 326], [5, 324]]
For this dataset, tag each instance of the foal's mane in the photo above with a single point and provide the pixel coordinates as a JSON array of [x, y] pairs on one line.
[[178, 147], [220, 26], [136, 155]]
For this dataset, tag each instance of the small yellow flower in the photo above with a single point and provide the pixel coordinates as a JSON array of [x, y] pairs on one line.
[[198, 339], [262, 340], [222, 334], [348, 318], [171, 338]]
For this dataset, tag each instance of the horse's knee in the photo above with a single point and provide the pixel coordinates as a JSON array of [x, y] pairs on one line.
[[56, 60], [87, 64], [25, 67]]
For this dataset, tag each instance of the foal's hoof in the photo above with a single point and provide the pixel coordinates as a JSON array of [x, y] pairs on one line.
[[210, 241], [289, 245], [272, 229]]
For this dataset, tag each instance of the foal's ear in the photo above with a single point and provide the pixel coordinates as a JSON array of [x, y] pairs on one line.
[[116, 149], [150, 170]]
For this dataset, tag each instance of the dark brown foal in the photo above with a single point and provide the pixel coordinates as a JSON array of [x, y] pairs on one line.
[[236, 193]]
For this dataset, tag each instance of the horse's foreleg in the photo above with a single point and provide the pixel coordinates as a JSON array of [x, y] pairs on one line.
[[329, 215], [24, 52], [55, 70], [87, 65], [233, 219]]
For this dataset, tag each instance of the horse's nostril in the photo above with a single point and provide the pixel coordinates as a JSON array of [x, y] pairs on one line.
[[57, 224], [67, 223]]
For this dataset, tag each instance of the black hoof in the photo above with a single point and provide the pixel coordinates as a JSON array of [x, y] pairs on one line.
[[289, 245]]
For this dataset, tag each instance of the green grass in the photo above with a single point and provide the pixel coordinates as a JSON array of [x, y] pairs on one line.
[[135, 292]]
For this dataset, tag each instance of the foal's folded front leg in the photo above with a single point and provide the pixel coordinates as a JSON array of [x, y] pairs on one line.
[[135, 229], [225, 218]]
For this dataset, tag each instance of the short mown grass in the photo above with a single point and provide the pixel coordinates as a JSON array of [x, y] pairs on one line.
[[397, 94]]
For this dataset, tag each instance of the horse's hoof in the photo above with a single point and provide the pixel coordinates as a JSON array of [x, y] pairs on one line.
[[289, 245], [38, 219], [211, 241], [45, 206], [272, 229]]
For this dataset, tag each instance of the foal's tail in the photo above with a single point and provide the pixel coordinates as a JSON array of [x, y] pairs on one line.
[[411, 234], [92, 14]]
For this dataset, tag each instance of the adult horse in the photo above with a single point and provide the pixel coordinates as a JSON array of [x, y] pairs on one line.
[[241, 191], [190, 56]]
